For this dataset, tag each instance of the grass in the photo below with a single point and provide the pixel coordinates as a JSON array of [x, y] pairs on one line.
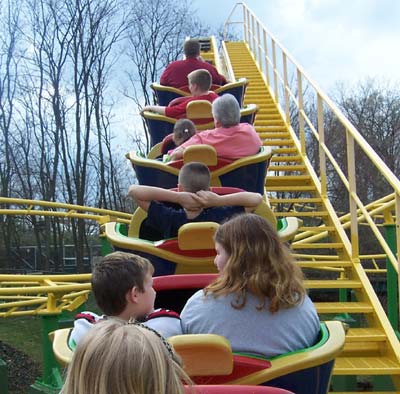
[[24, 334]]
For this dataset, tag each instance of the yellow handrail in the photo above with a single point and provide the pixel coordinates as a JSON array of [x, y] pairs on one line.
[[266, 48], [23, 295]]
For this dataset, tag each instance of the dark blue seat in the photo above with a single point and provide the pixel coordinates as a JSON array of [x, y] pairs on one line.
[[247, 173], [165, 94]]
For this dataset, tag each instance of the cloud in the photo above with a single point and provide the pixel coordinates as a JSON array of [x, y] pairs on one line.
[[332, 39], [335, 39]]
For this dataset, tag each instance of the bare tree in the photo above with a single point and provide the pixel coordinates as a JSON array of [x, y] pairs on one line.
[[156, 33], [9, 69]]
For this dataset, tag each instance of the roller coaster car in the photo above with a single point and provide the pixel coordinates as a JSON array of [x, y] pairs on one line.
[[247, 173], [191, 252], [165, 94], [63, 354], [160, 126], [208, 358]]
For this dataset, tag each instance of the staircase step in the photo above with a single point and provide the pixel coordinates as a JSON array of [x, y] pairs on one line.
[[365, 334], [291, 188], [293, 200], [268, 117], [343, 307], [273, 142], [361, 349], [332, 284], [288, 180], [285, 159], [284, 150], [275, 134], [288, 168], [378, 365]]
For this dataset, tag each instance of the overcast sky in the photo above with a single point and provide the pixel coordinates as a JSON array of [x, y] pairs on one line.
[[334, 40]]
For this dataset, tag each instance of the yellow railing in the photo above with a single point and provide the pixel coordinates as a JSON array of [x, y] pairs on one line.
[[24, 207], [23, 295], [281, 72]]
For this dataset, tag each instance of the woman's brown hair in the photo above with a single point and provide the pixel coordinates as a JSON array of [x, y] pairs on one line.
[[259, 263]]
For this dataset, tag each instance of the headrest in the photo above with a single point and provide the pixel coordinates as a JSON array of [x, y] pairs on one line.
[[203, 153], [195, 351], [199, 109], [197, 235]]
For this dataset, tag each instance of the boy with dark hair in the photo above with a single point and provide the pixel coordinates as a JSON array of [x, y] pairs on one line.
[[122, 285], [176, 73], [199, 86], [121, 282], [198, 204]]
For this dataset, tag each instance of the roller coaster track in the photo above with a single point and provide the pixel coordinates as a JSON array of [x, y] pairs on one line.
[[25, 295], [372, 347]]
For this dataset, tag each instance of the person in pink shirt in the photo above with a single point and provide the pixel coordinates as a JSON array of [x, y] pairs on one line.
[[199, 86], [231, 139], [176, 73]]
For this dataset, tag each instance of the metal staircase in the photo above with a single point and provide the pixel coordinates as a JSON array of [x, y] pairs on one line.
[[324, 252]]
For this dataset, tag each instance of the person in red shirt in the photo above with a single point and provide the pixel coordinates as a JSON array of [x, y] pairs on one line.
[[176, 73], [199, 85]]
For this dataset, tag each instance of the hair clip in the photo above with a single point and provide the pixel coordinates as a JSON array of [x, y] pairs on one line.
[[163, 340], [186, 130]]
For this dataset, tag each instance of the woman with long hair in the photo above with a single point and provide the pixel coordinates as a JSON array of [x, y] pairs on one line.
[[258, 302]]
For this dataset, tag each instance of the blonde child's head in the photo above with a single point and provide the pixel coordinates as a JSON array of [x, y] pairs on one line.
[[202, 78], [183, 130], [257, 262], [117, 357]]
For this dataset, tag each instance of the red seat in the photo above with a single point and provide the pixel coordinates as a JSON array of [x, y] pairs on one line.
[[242, 366], [234, 389]]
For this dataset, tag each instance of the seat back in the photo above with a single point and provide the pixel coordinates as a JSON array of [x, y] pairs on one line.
[[202, 153], [204, 354], [247, 173], [165, 94], [236, 89], [199, 109], [248, 114], [197, 236], [265, 211], [159, 126]]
